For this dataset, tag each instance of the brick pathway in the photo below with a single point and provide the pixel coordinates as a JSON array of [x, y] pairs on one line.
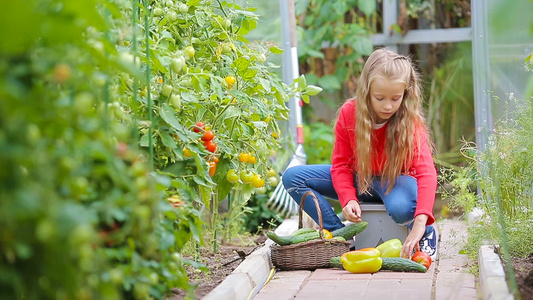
[[447, 278]]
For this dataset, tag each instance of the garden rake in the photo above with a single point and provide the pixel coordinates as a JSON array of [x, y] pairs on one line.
[[280, 201]]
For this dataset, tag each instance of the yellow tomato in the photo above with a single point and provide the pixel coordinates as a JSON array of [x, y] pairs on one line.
[[244, 157], [230, 80], [251, 159]]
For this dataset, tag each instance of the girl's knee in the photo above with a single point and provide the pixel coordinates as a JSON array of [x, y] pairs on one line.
[[289, 178], [401, 214]]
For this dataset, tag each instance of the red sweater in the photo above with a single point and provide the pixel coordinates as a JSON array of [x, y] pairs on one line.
[[344, 163]]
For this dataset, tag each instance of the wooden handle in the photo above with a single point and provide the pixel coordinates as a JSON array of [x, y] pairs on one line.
[[318, 210]]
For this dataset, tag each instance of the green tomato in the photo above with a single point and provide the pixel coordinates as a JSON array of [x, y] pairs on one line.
[[116, 276], [232, 176], [176, 257], [172, 16], [158, 12], [261, 58], [273, 181], [177, 64], [169, 3], [46, 230], [226, 23], [246, 176], [262, 190], [186, 82], [153, 278], [226, 49], [167, 90], [79, 186], [33, 133], [270, 172], [175, 101], [183, 8], [189, 50]]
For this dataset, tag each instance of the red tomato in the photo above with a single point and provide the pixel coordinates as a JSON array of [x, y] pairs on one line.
[[208, 135], [212, 168], [422, 258], [199, 127], [210, 146]]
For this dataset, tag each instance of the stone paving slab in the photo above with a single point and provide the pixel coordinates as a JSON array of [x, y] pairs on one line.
[[283, 285], [453, 279]]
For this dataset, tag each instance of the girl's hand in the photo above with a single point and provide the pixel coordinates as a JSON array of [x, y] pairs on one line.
[[411, 243], [352, 211]]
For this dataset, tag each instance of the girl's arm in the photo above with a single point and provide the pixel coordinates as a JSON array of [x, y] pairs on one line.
[[423, 169], [415, 235], [342, 160]]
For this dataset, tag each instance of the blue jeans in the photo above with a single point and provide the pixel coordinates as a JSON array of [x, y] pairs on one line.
[[400, 202]]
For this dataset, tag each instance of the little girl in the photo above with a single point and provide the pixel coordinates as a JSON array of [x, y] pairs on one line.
[[382, 149]]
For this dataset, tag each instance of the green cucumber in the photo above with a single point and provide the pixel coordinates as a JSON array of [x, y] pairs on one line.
[[339, 238], [335, 262], [305, 237], [289, 240], [402, 264], [348, 232], [303, 231], [280, 240]]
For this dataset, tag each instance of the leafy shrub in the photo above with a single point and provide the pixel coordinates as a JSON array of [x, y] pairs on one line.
[[505, 179]]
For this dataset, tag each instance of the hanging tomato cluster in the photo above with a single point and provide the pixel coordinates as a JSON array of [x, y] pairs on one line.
[[207, 137]]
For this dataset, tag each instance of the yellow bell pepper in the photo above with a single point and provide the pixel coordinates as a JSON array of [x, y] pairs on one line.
[[367, 260], [390, 248]]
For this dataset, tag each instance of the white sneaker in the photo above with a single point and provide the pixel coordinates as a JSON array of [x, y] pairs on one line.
[[429, 243]]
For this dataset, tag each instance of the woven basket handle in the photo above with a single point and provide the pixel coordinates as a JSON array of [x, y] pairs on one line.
[[318, 210]]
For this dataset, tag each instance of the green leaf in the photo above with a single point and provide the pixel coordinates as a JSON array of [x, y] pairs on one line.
[[395, 27], [167, 140], [144, 141], [305, 98], [249, 74], [201, 17], [363, 45], [169, 116], [368, 7], [167, 240], [275, 50], [194, 2], [315, 53], [329, 82], [313, 90], [302, 83], [241, 64]]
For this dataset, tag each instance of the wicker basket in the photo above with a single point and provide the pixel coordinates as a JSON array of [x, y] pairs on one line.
[[311, 254]]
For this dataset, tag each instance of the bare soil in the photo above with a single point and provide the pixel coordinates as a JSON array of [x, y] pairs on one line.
[[523, 268], [220, 265]]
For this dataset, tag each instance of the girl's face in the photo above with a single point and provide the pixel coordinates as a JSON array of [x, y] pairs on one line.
[[386, 96]]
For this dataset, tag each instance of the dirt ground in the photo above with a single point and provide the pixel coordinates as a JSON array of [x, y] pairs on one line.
[[523, 268], [220, 265]]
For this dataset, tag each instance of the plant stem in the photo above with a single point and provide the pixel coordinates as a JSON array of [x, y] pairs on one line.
[[148, 71]]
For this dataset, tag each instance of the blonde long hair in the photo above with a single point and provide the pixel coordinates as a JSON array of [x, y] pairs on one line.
[[402, 137]]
